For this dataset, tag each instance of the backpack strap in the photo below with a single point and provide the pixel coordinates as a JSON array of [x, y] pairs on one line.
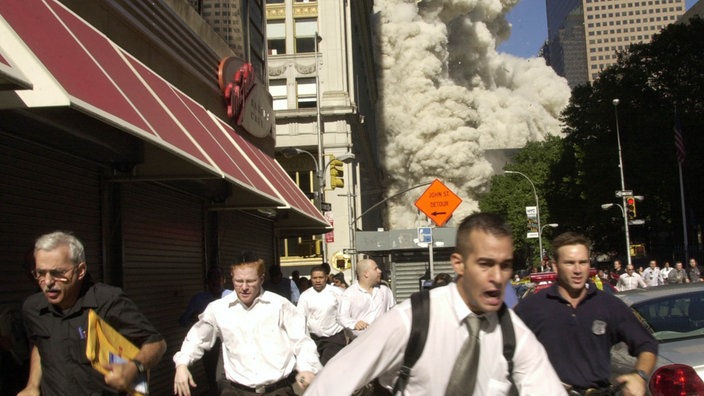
[[509, 337], [420, 317]]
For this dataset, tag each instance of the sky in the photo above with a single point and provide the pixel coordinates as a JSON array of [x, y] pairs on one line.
[[529, 28]]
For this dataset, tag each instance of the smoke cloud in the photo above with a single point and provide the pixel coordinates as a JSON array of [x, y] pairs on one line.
[[447, 97]]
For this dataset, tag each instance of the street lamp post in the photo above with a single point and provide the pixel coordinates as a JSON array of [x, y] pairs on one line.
[[537, 211], [615, 102]]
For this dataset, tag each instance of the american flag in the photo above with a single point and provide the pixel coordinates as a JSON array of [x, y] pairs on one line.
[[679, 141]]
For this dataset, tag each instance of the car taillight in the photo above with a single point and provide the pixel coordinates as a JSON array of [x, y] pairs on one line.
[[676, 380]]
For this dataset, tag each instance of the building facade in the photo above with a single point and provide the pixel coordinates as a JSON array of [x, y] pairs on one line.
[[322, 80], [584, 37]]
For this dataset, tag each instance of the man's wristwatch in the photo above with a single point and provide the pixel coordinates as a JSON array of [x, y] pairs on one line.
[[140, 367], [642, 374]]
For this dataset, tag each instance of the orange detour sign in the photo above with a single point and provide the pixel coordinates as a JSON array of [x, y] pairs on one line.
[[438, 202]]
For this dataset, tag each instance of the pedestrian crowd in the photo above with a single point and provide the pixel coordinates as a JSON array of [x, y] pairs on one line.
[[271, 335]]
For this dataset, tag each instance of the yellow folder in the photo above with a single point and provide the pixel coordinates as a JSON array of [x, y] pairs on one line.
[[105, 345]]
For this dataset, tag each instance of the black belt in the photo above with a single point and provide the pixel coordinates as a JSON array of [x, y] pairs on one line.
[[261, 389], [601, 391]]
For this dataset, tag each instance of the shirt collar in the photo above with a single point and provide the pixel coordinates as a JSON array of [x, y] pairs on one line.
[[84, 300], [264, 297], [554, 292], [461, 309]]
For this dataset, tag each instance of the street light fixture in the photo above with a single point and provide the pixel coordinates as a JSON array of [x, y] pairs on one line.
[[551, 225], [537, 210]]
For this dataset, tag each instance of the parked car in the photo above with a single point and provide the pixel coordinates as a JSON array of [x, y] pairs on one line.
[[674, 314]]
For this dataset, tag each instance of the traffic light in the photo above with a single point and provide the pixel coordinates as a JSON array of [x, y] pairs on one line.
[[631, 207], [336, 174]]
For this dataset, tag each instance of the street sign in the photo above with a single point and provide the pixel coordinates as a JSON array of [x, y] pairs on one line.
[[624, 193], [438, 202], [425, 235], [325, 206], [532, 216], [636, 222]]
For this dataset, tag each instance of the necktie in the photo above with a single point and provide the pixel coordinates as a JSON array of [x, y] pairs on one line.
[[464, 373]]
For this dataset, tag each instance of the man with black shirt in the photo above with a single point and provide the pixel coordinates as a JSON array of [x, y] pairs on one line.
[[56, 320], [578, 324]]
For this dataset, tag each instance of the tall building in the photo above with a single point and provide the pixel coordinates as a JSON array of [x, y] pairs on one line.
[[322, 80], [585, 36]]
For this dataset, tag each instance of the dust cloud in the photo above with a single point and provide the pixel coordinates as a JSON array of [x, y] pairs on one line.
[[448, 98]]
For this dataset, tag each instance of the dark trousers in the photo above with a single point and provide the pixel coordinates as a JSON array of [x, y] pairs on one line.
[[211, 359], [329, 346]]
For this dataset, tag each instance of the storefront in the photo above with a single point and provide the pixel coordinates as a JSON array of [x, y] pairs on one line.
[[158, 186]]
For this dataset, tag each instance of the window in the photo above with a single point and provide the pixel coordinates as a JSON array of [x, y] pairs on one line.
[[276, 37], [305, 34], [277, 89], [305, 93]]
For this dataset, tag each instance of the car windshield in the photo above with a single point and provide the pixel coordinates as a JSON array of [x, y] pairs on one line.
[[673, 317]]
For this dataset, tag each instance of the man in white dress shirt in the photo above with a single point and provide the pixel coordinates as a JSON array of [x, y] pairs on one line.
[[365, 301], [483, 262], [264, 340], [630, 280], [319, 304], [651, 275]]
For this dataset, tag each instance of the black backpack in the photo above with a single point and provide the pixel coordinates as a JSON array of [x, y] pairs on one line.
[[420, 308]]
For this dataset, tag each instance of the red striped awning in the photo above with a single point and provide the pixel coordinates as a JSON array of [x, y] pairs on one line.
[[104, 81]]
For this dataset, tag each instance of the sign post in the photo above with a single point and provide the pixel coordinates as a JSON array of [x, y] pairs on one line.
[[437, 202], [425, 235]]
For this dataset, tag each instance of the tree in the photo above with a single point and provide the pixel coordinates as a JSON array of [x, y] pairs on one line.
[[509, 195], [650, 80]]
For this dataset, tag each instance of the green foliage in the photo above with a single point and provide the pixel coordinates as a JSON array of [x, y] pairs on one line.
[[510, 194]]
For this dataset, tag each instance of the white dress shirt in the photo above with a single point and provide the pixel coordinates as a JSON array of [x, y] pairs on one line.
[[630, 281], [320, 309], [379, 353], [262, 344], [651, 276], [358, 304]]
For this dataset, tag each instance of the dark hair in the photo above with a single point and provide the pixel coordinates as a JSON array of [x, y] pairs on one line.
[[442, 279], [341, 277], [567, 239], [487, 222], [215, 272], [275, 270], [318, 268], [326, 268]]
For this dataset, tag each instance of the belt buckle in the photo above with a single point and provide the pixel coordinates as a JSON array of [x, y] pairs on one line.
[[261, 389]]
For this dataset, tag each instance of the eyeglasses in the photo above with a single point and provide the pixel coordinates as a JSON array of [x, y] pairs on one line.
[[56, 274], [242, 282]]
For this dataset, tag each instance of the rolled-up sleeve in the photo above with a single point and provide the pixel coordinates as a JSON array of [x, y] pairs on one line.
[[304, 347], [200, 338]]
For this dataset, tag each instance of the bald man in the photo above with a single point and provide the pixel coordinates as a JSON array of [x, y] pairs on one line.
[[364, 301]]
